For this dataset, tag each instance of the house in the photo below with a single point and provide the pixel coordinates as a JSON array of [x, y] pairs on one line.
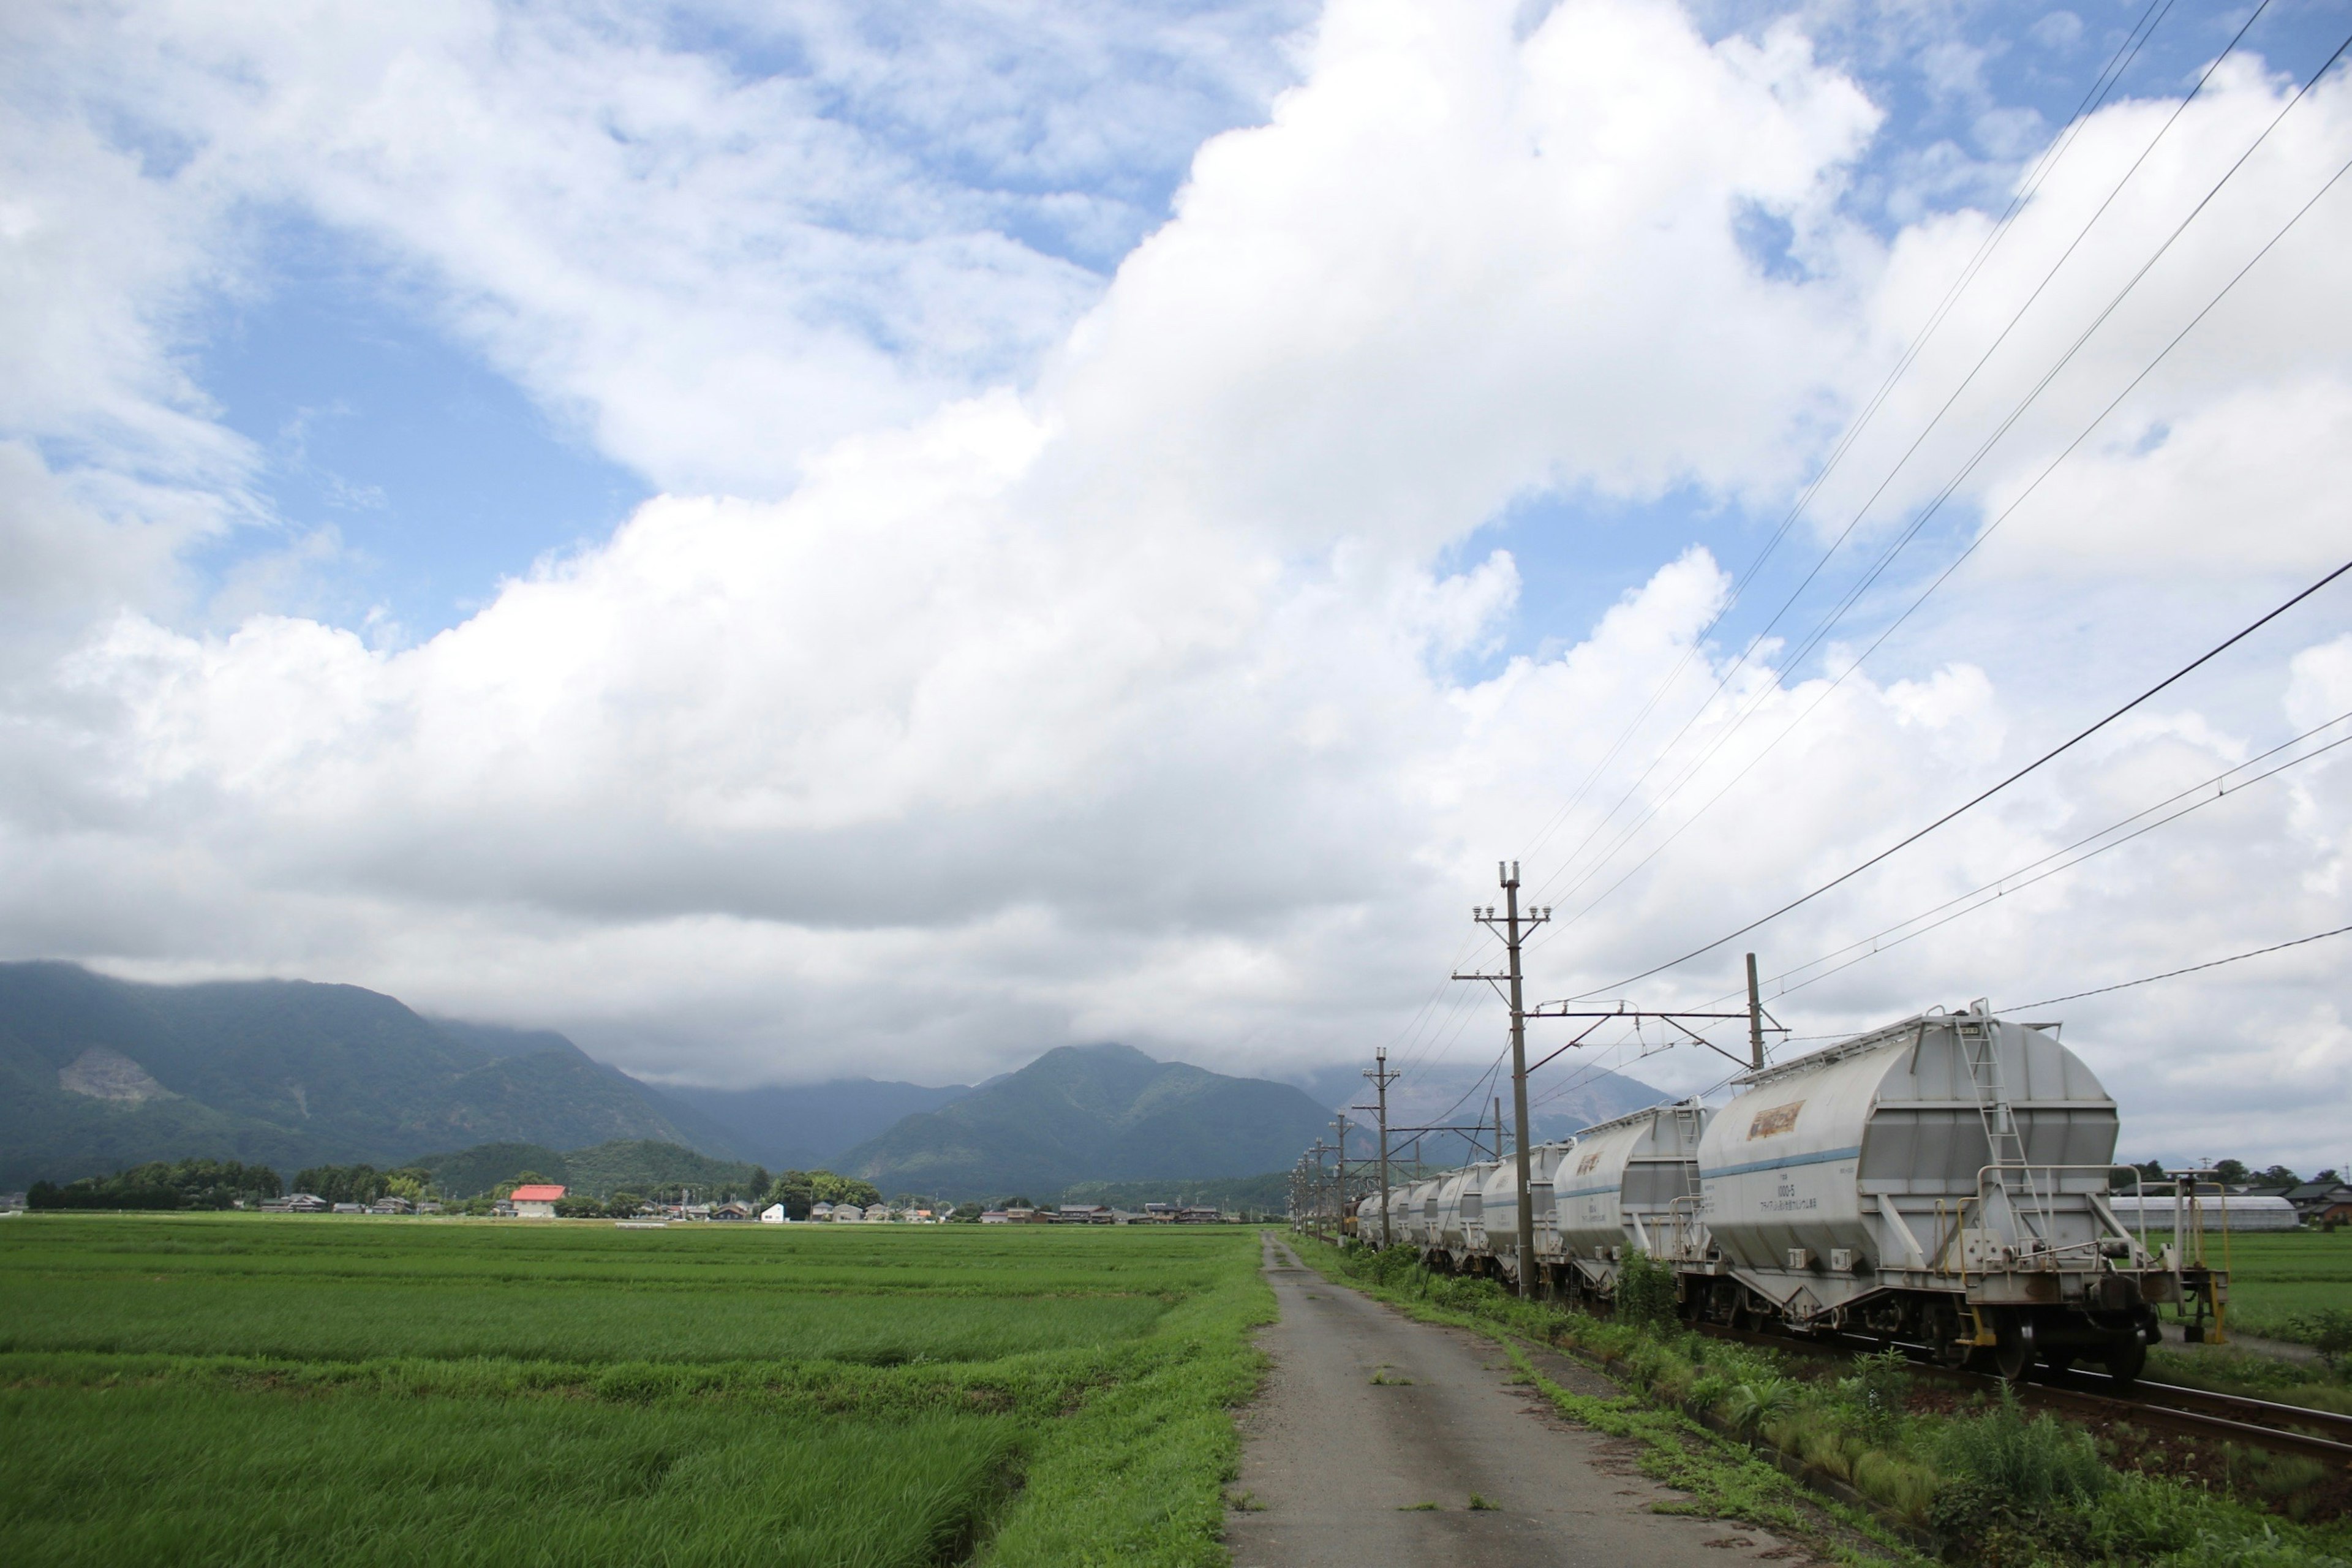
[[1083, 1213], [391, 1203], [1199, 1214], [427, 1205], [877, 1214], [994, 1216], [295, 1203], [774, 1214], [535, 1200], [733, 1208], [351, 1208], [847, 1214], [1018, 1215], [820, 1211], [2312, 1200]]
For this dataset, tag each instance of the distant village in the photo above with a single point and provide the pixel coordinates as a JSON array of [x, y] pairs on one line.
[[539, 1202]]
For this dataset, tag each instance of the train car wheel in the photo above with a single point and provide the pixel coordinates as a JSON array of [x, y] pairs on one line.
[[2126, 1358], [2058, 1360], [2013, 1355]]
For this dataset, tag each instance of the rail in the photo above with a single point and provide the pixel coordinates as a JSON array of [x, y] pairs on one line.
[[2286, 1428]]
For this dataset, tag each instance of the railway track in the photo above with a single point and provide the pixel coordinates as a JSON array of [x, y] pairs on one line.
[[2189, 1412]]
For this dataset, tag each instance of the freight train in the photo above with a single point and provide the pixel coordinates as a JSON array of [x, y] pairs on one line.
[[1941, 1181]]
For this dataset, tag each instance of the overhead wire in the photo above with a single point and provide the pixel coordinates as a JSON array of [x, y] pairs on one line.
[[1981, 796], [1918, 524], [1974, 545], [2175, 974], [2035, 871], [2027, 188], [1853, 595], [1983, 534]]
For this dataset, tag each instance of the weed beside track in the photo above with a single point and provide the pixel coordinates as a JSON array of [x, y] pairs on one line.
[[1982, 1479]]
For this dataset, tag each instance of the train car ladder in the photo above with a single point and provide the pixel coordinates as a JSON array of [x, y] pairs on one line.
[[2011, 1177]]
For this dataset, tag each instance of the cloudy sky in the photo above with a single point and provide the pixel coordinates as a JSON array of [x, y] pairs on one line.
[[800, 540]]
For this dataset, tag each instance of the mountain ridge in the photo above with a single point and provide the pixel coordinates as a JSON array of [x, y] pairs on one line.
[[1092, 1113], [98, 1073]]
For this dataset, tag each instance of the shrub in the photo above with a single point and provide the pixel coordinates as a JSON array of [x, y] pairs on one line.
[[2329, 1331], [1647, 1296], [1753, 1403], [2031, 1463], [1878, 1393]]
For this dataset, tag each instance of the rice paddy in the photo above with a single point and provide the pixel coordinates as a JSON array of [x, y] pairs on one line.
[[2278, 1279], [252, 1389]]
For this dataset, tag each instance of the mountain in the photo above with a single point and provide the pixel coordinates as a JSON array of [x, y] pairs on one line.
[[636, 1165], [98, 1073], [1563, 1100], [1092, 1113], [805, 1127]]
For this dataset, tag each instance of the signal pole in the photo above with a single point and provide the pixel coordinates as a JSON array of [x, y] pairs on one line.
[[1512, 928], [1382, 1077]]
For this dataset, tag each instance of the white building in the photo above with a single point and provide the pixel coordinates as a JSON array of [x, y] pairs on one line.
[[536, 1200], [774, 1214]]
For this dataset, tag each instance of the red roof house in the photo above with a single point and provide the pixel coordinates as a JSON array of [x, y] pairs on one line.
[[535, 1200]]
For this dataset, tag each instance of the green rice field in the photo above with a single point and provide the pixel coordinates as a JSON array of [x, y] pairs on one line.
[[2278, 1279], [279, 1389]]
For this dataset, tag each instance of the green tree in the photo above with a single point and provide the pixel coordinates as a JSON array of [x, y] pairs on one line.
[[829, 1188], [344, 1184], [2232, 1172]]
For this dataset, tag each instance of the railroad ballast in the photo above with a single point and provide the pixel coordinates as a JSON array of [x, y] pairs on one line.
[[1943, 1181]]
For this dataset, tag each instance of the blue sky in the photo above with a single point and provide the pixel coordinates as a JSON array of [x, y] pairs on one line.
[[440, 476]]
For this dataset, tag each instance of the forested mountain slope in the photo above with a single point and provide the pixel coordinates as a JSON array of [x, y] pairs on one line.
[[1093, 1113], [97, 1073]]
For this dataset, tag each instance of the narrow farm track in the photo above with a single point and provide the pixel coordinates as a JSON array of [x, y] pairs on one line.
[[2195, 1411], [1367, 1415]]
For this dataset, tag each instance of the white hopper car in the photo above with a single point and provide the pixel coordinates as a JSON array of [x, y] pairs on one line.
[[1943, 1181]]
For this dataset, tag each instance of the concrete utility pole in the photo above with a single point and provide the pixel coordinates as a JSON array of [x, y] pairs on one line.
[[1382, 1077], [1322, 1178], [1339, 1201], [1755, 1017], [1513, 929]]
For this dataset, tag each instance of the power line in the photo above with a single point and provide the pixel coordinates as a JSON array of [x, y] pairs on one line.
[[1979, 799], [2027, 188], [1956, 561], [2171, 973], [1913, 530], [2004, 885]]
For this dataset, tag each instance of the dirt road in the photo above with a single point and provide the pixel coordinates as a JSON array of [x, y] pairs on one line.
[[1369, 1416]]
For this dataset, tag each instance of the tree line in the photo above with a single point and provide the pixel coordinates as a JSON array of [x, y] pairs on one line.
[[162, 1185], [2227, 1173]]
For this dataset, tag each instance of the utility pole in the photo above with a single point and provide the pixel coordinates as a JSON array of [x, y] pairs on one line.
[[1755, 1018], [1382, 1077], [1513, 929], [1339, 1201], [1320, 1179]]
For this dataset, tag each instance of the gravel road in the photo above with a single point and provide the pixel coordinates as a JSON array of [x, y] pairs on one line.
[[1368, 1415]]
